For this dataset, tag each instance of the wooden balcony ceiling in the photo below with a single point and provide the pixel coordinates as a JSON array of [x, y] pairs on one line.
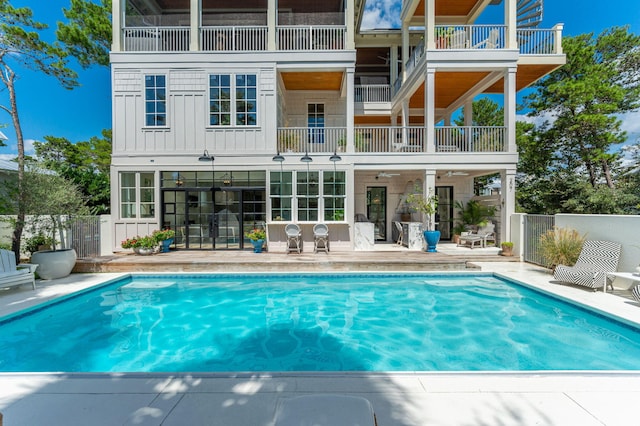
[[451, 85], [448, 8], [312, 80]]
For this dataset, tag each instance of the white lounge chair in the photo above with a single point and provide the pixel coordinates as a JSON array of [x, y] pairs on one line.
[[320, 237], [635, 292], [325, 410], [294, 238], [484, 234], [490, 42], [595, 260], [12, 275]]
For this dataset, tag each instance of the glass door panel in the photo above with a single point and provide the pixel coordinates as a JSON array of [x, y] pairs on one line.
[[444, 213], [377, 210], [227, 230]]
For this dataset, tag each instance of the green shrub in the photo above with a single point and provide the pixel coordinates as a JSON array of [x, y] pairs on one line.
[[561, 246], [33, 244]]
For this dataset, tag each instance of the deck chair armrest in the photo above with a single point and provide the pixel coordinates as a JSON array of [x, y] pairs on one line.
[[31, 266]]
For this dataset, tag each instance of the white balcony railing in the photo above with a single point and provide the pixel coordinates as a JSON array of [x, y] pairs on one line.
[[470, 36], [320, 37], [373, 93], [470, 139], [382, 139], [535, 41], [235, 38], [156, 39]]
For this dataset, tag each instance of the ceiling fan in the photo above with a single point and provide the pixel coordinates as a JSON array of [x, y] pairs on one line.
[[387, 59], [451, 173], [386, 175]]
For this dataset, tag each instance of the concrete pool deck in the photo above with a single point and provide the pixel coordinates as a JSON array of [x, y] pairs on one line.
[[399, 399]]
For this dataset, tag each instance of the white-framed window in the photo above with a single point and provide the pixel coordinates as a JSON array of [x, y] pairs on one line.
[[155, 100], [137, 195], [323, 195], [315, 122], [233, 100]]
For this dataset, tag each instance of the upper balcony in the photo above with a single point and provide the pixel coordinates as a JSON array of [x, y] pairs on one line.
[[231, 26]]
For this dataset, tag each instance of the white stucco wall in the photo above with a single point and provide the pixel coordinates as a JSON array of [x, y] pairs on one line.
[[624, 229]]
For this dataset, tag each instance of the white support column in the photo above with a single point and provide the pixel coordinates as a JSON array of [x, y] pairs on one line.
[[350, 108], [511, 21], [405, 121], [117, 21], [350, 207], [430, 24], [405, 48], [430, 110], [195, 11], [350, 17], [510, 109], [468, 112], [430, 186], [393, 63], [508, 191], [272, 17]]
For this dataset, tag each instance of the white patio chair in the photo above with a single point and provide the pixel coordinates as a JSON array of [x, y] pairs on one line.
[[320, 237], [398, 226], [294, 238], [12, 275], [491, 42]]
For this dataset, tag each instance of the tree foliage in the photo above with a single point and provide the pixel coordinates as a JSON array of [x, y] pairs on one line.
[[570, 162], [22, 47], [86, 164], [87, 34]]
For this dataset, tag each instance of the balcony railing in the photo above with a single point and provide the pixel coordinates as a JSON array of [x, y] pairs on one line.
[[387, 139], [156, 39], [239, 39], [535, 41], [314, 37], [234, 38], [470, 36], [373, 93], [470, 139]]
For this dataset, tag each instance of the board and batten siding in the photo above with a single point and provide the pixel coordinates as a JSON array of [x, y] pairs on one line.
[[188, 131]]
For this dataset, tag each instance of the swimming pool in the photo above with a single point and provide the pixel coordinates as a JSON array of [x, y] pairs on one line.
[[311, 322]]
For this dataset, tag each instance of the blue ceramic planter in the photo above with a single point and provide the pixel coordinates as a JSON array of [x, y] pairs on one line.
[[257, 245], [432, 238]]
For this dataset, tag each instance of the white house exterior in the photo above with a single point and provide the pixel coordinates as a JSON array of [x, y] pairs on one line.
[[206, 93]]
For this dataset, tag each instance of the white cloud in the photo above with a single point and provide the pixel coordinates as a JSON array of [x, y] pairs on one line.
[[631, 125], [8, 157], [381, 14]]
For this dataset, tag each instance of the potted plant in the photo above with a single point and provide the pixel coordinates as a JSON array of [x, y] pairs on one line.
[[288, 141], [507, 248], [164, 238], [140, 245], [473, 214], [257, 237], [342, 144], [38, 242], [427, 205]]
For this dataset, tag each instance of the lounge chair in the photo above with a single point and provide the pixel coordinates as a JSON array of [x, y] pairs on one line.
[[325, 410], [595, 260], [480, 238], [12, 275], [320, 237], [635, 292], [398, 226], [490, 42], [294, 238]]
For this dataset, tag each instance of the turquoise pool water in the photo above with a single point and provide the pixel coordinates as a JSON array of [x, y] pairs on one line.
[[308, 322]]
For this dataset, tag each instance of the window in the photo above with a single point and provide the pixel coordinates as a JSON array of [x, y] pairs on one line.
[[155, 96], [281, 195], [315, 122], [233, 101], [334, 191], [137, 195], [310, 200], [246, 100]]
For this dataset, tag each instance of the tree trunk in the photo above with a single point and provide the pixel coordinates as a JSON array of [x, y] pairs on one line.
[[9, 78]]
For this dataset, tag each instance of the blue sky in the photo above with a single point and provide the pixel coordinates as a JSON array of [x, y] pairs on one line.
[[47, 109]]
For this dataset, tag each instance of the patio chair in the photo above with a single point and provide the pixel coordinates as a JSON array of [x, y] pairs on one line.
[[294, 238], [398, 226], [320, 237], [595, 260], [325, 410], [12, 275], [491, 42], [635, 292], [470, 239]]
